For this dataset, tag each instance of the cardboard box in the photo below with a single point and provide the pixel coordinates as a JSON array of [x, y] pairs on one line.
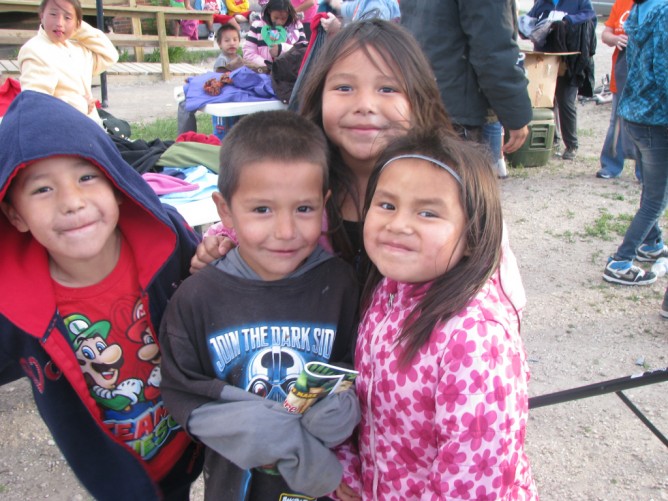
[[542, 69]]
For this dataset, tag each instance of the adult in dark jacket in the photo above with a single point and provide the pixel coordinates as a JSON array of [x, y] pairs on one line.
[[580, 71], [472, 48], [95, 370]]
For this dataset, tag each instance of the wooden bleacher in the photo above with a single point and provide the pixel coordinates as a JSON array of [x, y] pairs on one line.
[[137, 39]]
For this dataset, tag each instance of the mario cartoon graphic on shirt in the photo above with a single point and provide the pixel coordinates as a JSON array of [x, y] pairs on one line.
[[101, 363], [140, 332]]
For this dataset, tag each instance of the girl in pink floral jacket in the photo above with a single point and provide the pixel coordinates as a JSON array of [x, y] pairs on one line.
[[443, 374]]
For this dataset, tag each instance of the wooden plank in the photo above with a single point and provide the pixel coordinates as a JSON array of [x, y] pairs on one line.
[[8, 66], [136, 29], [15, 37], [148, 68], [140, 11]]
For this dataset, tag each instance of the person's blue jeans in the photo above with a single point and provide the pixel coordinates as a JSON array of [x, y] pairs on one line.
[[615, 145], [651, 144], [612, 154], [492, 135]]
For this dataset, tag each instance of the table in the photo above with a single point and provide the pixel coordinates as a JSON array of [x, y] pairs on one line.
[[244, 108]]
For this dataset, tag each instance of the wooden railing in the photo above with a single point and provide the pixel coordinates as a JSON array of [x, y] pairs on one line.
[[138, 40]]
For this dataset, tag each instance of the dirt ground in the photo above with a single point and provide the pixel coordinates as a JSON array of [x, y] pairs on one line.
[[578, 330]]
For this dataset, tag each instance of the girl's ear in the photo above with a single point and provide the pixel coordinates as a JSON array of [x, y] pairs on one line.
[[224, 210], [14, 217]]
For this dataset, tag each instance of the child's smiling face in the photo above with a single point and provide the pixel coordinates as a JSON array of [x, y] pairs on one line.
[[363, 107], [59, 20], [414, 228], [276, 212], [69, 206]]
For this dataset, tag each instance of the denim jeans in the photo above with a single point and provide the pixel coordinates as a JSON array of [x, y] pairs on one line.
[[612, 154], [616, 146], [492, 136], [651, 143]]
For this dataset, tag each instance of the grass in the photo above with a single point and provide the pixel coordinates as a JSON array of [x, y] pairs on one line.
[[176, 55], [166, 128], [608, 226], [182, 55]]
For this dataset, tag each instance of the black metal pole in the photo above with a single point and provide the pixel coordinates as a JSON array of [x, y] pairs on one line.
[[610, 386], [103, 76], [643, 418]]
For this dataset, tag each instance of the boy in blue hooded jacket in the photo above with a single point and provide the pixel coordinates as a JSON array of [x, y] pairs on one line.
[[88, 261]]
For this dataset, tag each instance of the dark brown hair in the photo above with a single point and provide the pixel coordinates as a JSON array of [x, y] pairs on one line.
[[283, 136], [273, 5], [397, 49], [74, 3], [480, 198], [226, 27]]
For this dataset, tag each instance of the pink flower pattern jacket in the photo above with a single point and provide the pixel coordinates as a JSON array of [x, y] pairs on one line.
[[450, 425]]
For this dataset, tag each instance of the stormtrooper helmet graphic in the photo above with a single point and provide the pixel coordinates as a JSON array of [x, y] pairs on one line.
[[273, 372]]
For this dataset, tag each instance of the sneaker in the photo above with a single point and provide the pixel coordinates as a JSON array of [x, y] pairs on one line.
[[604, 174], [569, 154], [664, 306], [212, 36], [625, 273], [650, 253]]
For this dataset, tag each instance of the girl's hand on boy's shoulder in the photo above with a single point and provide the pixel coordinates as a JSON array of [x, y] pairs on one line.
[[346, 493], [210, 248]]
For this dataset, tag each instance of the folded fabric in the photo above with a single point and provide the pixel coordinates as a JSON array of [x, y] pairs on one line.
[[8, 91], [203, 178], [246, 86], [188, 154], [195, 137], [163, 184], [256, 433]]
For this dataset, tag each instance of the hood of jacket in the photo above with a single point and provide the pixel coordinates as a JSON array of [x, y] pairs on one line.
[[38, 126]]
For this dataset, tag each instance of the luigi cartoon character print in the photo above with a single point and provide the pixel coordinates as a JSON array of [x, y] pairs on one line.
[[130, 406]]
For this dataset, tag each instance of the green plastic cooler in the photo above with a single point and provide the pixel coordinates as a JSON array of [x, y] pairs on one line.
[[537, 149]]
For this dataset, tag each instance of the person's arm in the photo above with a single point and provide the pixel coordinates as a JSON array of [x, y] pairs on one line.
[[493, 54], [218, 241], [251, 46], [350, 488], [305, 6], [585, 13], [36, 73], [186, 383], [331, 24], [103, 50], [609, 38], [483, 419], [516, 138]]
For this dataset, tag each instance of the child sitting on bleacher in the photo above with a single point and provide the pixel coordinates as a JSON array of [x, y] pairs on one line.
[[63, 57], [221, 13], [278, 30]]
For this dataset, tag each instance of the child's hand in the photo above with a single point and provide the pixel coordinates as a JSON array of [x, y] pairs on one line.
[[91, 103], [330, 23], [345, 493], [210, 249]]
